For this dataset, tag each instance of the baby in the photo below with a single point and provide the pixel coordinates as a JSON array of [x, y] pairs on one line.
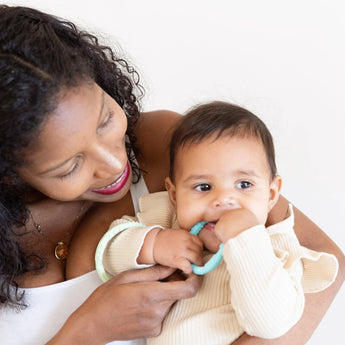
[[223, 173]]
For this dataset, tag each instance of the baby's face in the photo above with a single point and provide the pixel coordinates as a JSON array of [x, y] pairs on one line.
[[215, 176]]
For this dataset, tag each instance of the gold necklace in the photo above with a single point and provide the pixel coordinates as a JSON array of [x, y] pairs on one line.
[[61, 248]]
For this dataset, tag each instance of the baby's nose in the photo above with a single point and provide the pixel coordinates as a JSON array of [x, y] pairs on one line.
[[224, 200]]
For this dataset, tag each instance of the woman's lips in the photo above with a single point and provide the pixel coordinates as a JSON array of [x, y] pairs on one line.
[[116, 185]]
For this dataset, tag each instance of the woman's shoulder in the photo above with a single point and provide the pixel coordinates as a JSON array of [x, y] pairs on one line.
[[154, 130], [157, 121], [153, 133]]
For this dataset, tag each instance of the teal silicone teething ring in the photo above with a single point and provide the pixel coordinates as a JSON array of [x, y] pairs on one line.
[[215, 260]]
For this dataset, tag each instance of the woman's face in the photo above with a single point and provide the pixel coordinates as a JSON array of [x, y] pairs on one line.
[[81, 149]]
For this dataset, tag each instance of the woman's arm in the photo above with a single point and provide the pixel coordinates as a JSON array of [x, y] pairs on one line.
[[132, 305], [316, 304]]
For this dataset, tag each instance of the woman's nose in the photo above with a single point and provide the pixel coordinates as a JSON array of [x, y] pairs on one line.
[[106, 163]]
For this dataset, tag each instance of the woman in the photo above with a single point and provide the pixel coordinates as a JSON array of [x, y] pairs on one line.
[[71, 143]]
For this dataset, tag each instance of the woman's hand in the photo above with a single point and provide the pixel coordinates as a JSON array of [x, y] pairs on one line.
[[129, 306]]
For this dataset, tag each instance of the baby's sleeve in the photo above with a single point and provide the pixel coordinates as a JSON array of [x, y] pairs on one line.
[[269, 274], [315, 271], [119, 248], [267, 302]]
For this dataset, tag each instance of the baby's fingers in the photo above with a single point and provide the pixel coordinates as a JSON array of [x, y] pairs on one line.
[[197, 242], [192, 255], [184, 265]]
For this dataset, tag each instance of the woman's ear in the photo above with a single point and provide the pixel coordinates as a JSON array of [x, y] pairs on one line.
[[275, 188], [170, 187]]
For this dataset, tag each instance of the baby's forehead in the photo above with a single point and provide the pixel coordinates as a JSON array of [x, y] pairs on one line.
[[222, 151], [225, 136]]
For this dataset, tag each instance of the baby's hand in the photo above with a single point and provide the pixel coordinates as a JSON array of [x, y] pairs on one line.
[[233, 223], [178, 248]]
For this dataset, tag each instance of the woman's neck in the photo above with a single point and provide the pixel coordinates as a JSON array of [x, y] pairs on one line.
[[50, 222]]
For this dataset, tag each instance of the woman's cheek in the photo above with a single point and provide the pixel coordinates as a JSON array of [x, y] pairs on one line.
[[66, 191]]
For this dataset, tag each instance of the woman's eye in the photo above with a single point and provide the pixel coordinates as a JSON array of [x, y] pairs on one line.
[[71, 172], [244, 185], [107, 120], [203, 187]]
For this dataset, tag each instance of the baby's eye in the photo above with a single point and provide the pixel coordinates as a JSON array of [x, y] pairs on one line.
[[203, 187], [244, 185]]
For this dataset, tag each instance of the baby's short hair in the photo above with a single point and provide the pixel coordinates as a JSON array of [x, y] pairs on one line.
[[220, 118]]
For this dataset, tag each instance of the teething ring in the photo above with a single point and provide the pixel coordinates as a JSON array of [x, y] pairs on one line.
[[216, 258]]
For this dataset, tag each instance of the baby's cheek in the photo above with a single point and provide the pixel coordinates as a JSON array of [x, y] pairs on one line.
[[185, 220]]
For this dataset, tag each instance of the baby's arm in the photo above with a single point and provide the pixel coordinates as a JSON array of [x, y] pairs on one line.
[[139, 246], [267, 301], [171, 247], [266, 285]]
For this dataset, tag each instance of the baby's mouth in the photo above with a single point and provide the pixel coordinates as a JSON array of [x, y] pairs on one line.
[[210, 226]]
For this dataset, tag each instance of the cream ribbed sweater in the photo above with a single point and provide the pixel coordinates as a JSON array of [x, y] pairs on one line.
[[258, 288]]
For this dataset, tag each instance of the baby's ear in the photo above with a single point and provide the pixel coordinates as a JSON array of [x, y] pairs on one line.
[[170, 187], [275, 188]]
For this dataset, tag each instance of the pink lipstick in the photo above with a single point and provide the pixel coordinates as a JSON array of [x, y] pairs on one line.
[[116, 185]]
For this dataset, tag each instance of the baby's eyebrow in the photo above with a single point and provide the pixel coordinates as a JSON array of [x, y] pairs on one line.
[[247, 173], [197, 177]]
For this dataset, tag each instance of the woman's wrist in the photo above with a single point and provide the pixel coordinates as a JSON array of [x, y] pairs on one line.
[[76, 331]]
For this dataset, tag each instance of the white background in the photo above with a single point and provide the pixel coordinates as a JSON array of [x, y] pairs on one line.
[[284, 60]]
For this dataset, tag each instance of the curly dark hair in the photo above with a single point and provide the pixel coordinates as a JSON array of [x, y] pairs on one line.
[[40, 55]]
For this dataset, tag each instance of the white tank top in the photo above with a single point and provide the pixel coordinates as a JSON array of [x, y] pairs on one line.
[[50, 306]]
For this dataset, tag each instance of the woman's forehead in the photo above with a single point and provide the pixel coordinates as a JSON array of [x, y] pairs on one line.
[[64, 131]]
